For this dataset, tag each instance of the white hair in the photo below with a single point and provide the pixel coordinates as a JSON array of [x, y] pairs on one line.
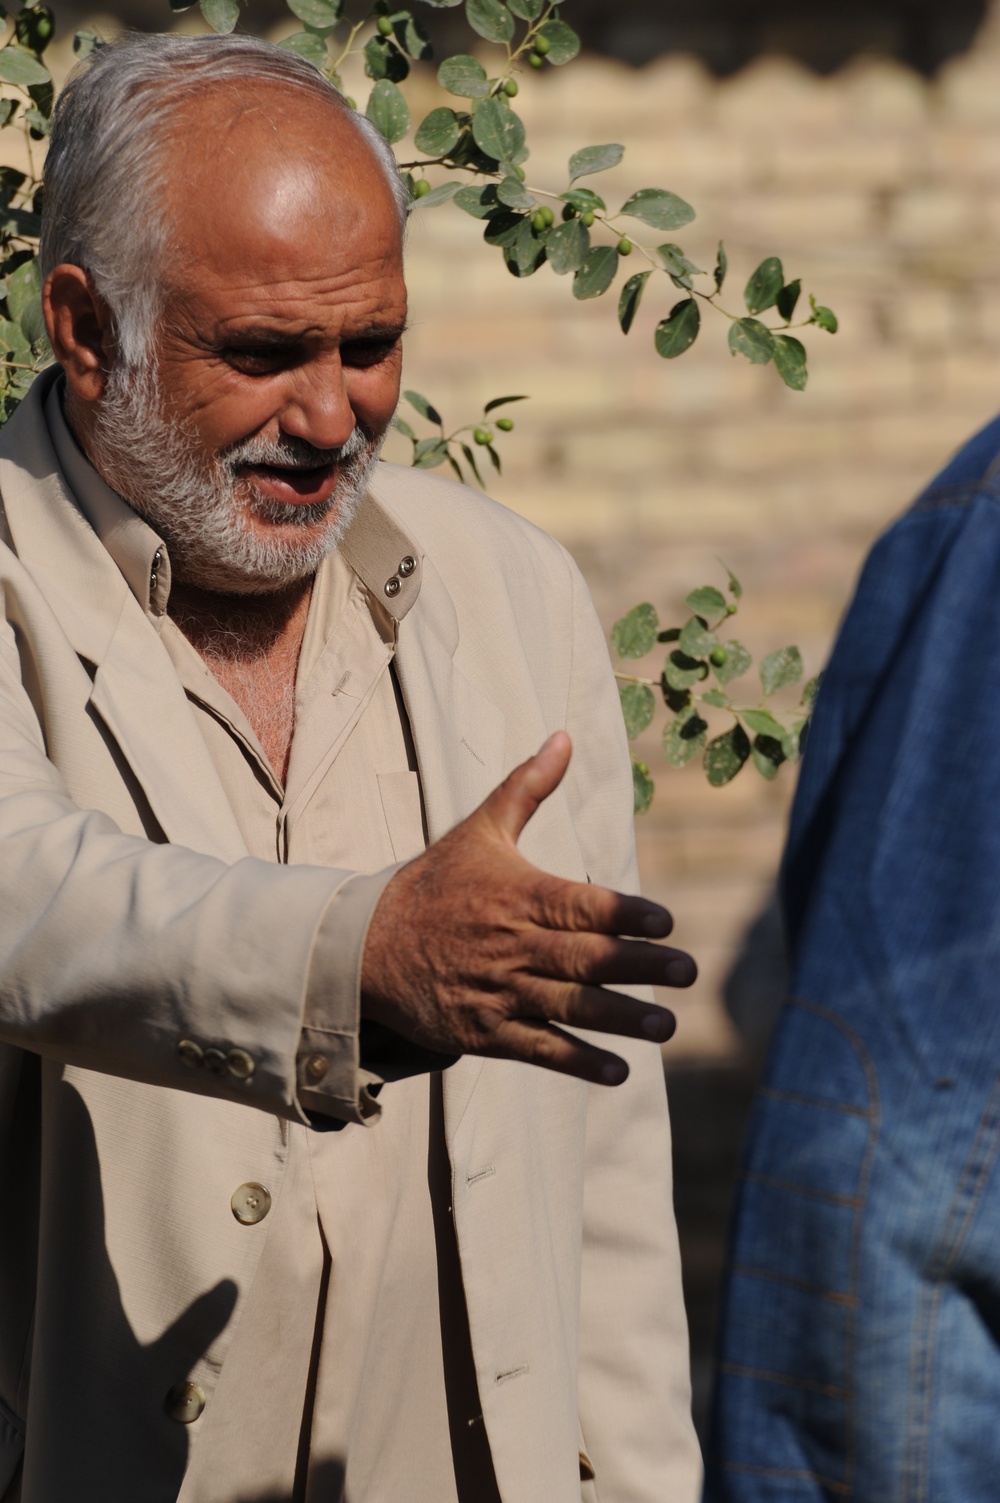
[[113, 140]]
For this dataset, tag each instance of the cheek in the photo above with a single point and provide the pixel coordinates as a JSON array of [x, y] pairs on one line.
[[374, 393]]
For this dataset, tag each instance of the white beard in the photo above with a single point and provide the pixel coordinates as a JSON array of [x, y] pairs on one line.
[[203, 513]]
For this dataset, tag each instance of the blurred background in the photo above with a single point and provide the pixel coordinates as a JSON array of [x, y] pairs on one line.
[[860, 141]]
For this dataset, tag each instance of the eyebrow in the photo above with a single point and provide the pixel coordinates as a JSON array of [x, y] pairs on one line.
[[268, 337]]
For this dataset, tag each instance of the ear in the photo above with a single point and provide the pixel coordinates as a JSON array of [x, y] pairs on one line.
[[80, 330]]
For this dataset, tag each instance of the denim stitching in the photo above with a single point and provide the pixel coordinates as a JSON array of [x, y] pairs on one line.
[[940, 1263], [829, 1296]]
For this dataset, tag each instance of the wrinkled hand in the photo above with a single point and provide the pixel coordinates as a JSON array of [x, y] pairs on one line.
[[472, 950]]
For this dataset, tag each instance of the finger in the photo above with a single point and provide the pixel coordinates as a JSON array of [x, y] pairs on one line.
[[512, 804], [552, 1049], [598, 1010], [585, 907], [600, 959]]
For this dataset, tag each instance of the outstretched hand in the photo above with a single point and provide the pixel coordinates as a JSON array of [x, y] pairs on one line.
[[472, 950]]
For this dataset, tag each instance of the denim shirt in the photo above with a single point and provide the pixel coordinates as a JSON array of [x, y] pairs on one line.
[[860, 1352]]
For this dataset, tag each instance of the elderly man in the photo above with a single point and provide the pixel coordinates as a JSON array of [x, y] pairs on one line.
[[262, 884]]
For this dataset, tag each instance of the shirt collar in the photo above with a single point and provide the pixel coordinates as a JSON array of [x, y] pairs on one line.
[[383, 556]]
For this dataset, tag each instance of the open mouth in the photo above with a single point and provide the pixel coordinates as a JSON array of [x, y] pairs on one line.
[[291, 485]]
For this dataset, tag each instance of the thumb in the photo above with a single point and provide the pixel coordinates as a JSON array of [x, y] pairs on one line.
[[518, 797]]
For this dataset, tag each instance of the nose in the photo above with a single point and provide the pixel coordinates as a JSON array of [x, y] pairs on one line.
[[317, 407]]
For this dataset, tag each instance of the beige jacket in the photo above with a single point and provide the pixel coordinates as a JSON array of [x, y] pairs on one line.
[[133, 919]]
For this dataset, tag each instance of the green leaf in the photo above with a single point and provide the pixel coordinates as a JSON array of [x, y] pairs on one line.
[[502, 402], [682, 672], [464, 76], [735, 588], [642, 786], [429, 453], [388, 111], [750, 338], [19, 67], [564, 44], [413, 39], [655, 206], [811, 690], [33, 322], [442, 194], [23, 287], [8, 108], [635, 633], [670, 634], [402, 426], [638, 704], [221, 15], [20, 222], [526, 252], [725, 756], [768, 755], [473, 466], [86, 41], [764, 723], [583, 199], [631, 296], [721, 267], [503, 228], [590, 159], [426, 409], [515, 195], [497, 130], [597, 272], [716, 698], [684, 738], [674, 261], [308, 45], [788, 299], [679, 330], [494, 458], [323, 14], [438, 132], [764, 286], [781, 668], [490, 19], [479, 202], [707, 602], [790, 361], [526, 10], [695, 640], [824, 318], [738, 661], [384, 60], [567, 246], [790, 740], [13, 340]]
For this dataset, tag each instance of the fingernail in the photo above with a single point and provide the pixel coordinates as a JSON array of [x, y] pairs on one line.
[[659, 1026], [656, 923], [614, 1072]]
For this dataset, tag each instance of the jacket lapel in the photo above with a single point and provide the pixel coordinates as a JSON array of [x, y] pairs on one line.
[[458, 733], [135, 688]]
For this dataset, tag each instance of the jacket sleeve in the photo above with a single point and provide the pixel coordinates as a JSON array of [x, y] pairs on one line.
[[635, 1397], [161, 964]]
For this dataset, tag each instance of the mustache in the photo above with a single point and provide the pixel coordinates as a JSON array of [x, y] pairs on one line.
[[291, 453]]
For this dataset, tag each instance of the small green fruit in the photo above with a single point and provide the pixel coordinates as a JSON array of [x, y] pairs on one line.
[[624, 246], [542, 45], [385, 26], [505, 424], [569, 212], [548, 215], [588, 218], [421, 187], [718, 657], [538, 220], [510, 88], [731, 609], [483, 436], [535, 60]]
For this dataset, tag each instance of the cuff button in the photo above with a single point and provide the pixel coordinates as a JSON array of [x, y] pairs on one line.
[[190, 1052], [240, 1063], [185, 1402], [317, 1068]]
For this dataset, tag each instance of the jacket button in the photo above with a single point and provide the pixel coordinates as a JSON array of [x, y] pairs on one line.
[[214, 1060], [185, 1402], [250, 1204], [393, 586], [317, 1068], [190, 1052], [407, 566], [240, 1063]]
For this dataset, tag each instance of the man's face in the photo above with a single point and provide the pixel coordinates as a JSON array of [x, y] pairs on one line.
[[279, 345]]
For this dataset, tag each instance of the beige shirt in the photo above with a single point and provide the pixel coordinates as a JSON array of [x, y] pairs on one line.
[[346, 1300]]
